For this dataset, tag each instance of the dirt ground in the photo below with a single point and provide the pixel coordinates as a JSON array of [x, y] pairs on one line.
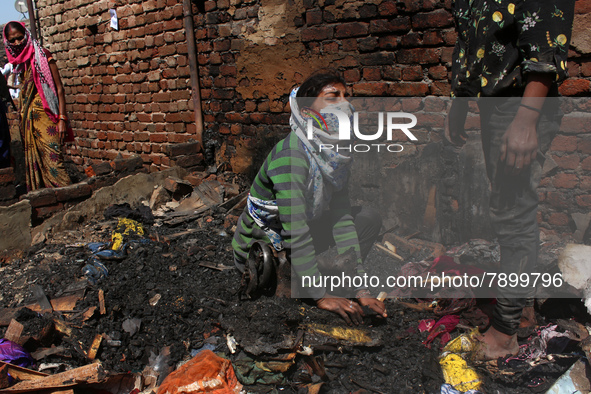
[[185, 306]]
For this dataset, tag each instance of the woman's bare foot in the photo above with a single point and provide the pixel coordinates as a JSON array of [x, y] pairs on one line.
[[494, 344], [528, 317]]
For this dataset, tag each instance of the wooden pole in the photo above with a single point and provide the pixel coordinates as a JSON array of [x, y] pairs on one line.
[[193, 68], [32, 19]]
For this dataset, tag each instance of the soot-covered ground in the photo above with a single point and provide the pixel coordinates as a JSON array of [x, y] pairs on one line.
[[184, 306]]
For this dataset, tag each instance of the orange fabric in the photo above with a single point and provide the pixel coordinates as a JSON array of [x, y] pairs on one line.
[[204, 373]]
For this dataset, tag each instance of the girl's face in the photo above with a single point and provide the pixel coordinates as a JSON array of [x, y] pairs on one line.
[[330, 94], [14, 36]]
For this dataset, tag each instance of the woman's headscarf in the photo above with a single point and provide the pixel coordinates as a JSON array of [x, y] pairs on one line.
[[29, 50], [329, 169]]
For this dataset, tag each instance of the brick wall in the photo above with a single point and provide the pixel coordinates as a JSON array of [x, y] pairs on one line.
[[128, 91]]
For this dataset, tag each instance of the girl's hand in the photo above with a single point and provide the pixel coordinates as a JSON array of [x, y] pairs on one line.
[[349, 310], [374, 305]]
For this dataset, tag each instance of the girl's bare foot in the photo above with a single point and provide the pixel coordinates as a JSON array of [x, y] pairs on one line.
[[494, 344], [528, 317]]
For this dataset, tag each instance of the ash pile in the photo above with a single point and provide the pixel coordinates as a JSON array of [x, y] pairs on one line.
[[146, 299]]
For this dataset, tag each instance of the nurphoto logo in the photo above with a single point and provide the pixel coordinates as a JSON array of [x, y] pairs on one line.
[[393, 121]]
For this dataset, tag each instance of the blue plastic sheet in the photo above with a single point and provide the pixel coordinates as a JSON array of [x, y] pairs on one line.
[[95, 270], [15, 354], [97, 246]]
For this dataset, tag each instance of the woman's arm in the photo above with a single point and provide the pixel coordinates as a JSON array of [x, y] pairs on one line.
[[345, 236], [61, 96]]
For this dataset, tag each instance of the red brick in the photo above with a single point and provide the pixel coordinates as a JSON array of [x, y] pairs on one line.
[[412, 73], [40, 198], [125, 165], [438, 18], [438, 72], [314, 17], [564, 143], [575, 124], [189, 160], [372, 74], [6, 176], [388, 42], [397, 25], [409, 89], [584, 146], [574, 87], [583, 6], [316, 33], [569, 162], [177, 186], [410, 5], [161, 97], [367, 11], [349, 44], [586, 68], [188, 148], [584, 200], [228, 70], [73, 192], [446, 55], [565, 181], [432, 37], [45, 212], [556, 200], [352, 29], [351, 75], [585, 183], [387, 8], [378, 59], [558, 219], [370, 88], [412, 40], [418, 56], [573, 70], [102, 168]]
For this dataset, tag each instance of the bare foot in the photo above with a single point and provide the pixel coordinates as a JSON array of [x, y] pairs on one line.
[[494, 344], [528, 317]]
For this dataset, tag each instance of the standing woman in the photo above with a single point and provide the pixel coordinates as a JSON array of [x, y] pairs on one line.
[[43, 121]]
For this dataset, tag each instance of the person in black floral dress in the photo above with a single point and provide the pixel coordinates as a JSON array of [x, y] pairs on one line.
[[511, 54]]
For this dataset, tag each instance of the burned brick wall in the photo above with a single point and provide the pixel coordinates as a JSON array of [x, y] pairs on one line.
[[128, 92]]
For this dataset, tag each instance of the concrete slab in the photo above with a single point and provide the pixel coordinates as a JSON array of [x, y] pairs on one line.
[[15, 226]]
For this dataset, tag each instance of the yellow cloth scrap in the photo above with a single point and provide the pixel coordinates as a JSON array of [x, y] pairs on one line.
[[463, 344], [354, 335], [456, 371], [125, 229]]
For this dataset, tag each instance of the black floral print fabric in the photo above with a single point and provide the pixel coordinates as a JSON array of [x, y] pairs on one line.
[[500, 41]]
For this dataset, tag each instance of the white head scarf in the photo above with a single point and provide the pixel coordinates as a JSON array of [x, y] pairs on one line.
[[329, 168]]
